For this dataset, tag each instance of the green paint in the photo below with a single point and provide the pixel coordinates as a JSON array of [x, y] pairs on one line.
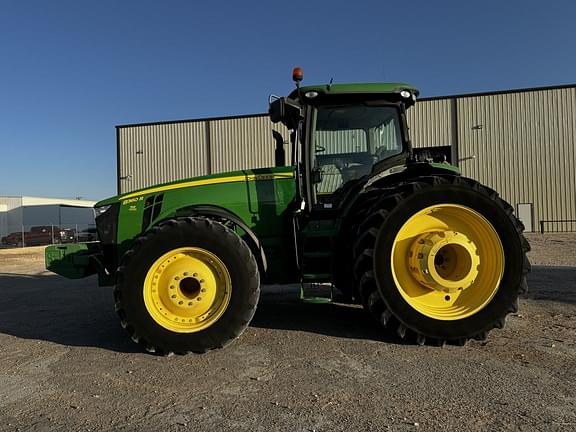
[[262, 203], [71, 261], [360, 88], [446, 166]]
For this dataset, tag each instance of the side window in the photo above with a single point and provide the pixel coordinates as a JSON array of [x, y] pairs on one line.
[[386, 138], [333, 150]]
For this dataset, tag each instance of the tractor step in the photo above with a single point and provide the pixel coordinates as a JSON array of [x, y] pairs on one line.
[[316, 292], [316, 277]]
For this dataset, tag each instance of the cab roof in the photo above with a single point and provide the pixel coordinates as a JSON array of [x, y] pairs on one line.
[[357, 88]]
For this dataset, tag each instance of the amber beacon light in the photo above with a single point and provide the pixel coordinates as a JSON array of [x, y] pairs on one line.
[[297, 74]]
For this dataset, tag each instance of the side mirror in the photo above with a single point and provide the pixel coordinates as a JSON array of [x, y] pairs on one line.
[[284, 110], [276, 109]]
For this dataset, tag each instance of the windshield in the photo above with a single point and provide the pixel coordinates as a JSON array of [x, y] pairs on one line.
[[348, 140]]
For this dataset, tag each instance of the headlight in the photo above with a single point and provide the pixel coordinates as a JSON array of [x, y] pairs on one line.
[[101, 210]]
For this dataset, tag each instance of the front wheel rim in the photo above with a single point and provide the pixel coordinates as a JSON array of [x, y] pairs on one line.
[[447, 261], [187, 290]]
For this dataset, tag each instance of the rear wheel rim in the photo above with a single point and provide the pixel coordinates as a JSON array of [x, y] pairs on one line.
[[447, 262], [187, 290]]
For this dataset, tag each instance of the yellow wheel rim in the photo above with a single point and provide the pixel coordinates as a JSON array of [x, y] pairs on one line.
[[447, 261], [187, 290]]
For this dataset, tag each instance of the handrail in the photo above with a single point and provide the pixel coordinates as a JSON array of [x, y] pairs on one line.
[[542, 222]]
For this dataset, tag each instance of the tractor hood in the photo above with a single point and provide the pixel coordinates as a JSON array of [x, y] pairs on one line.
[[227, 177]]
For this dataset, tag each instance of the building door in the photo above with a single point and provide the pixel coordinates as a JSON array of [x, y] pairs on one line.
[[525, 212]]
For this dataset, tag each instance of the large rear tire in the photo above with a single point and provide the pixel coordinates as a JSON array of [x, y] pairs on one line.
[[187, 285], [441, 259]]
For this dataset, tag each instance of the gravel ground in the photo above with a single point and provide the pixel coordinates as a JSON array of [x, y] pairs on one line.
[[65, 364]]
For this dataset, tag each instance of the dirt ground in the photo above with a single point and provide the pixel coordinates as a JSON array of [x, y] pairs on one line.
[[66, 364]]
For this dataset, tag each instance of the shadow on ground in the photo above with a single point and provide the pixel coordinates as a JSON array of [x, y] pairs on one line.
[[556, 284], [330, 319], [79, 313], [66, 312]]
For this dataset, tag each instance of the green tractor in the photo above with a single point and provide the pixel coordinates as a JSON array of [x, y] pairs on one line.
[[431, 255]]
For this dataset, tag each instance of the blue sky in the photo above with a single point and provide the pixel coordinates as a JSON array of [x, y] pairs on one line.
[[72, 70]]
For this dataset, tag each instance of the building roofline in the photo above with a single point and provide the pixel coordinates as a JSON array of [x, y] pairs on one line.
[[167, 122], [500, 92], [431, 98], [69, 202]]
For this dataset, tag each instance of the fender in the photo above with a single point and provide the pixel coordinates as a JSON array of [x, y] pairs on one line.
[[218, 212]]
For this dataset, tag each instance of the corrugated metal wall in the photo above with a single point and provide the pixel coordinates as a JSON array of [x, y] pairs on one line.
[[523, 143], [430, 123], [525, 149], [159, 153], [153, 154], [242, 143]]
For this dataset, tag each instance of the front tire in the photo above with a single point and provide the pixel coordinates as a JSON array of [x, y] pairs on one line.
[[187, 285]]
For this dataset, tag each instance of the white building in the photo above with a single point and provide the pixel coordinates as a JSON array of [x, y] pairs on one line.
[[20, 213]]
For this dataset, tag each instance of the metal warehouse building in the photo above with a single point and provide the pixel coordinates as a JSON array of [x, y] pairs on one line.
[[519, 142]]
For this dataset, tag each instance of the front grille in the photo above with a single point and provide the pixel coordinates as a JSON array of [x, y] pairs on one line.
[[107, 225]]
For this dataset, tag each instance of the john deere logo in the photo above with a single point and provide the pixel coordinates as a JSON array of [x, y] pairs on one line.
[[132, 200], [264, 177]]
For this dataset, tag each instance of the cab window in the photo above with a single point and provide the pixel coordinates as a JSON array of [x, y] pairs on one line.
[[349, 140]]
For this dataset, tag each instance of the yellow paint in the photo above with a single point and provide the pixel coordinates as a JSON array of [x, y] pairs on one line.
[[447, 262], [193, 183], [132, 200], [187, 290], [444, 260]]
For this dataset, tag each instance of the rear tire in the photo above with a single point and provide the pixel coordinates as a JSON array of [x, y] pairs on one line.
[[440, 259], [187, 285]]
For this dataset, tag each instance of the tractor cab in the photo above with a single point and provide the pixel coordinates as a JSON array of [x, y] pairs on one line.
[[343, 133]]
